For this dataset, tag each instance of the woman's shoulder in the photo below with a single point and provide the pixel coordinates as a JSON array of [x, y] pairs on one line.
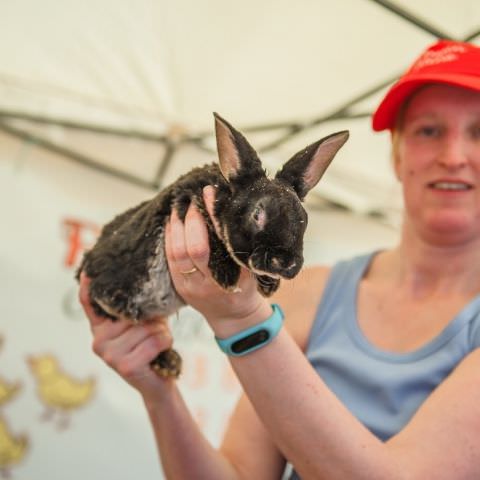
[[299, 299], [301, 296]]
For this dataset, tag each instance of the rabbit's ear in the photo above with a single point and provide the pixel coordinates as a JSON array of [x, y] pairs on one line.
[[236, 156], [305, 169]]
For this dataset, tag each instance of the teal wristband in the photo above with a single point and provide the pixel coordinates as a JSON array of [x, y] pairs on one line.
[[254, 337]]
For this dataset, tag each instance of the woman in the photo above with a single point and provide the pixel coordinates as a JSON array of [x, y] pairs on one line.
[[389, 386]]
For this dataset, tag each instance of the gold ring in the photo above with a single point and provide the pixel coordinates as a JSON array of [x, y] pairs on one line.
[[188, 272]]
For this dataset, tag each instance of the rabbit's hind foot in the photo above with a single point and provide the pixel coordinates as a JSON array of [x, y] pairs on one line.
[[167, 364]]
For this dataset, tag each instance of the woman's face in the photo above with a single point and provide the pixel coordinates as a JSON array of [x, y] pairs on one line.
[[437, 159]]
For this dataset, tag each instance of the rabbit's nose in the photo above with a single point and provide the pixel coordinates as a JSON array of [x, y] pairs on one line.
[[280, 266], [291, 270], [292, 266]]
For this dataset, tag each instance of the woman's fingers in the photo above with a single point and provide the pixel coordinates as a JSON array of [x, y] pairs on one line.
[[134, 362], [176, 247], [209, 199], [125, 347], [118, 339], [109, 330], [134, 348], [84, 297], [196, 239], [188, 250], [186, 245]]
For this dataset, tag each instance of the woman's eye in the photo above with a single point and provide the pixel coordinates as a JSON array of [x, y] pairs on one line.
[[475, 132], [428, 131]]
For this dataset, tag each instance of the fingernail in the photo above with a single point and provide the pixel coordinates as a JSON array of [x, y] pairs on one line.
[[208, 191]]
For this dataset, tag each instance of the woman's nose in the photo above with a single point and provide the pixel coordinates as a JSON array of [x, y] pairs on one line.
[[454, 153]]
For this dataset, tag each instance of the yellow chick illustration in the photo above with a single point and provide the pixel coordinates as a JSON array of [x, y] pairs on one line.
[[12, 449], [58, 391], [7, 390]]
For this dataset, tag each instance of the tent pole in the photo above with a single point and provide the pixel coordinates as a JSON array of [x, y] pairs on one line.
[[401, 12], [75, 156]]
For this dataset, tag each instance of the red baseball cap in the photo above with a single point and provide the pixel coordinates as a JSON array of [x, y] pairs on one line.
[[446, 61]]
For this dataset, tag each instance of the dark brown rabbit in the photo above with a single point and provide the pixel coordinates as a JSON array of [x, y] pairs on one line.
[[262, 223]]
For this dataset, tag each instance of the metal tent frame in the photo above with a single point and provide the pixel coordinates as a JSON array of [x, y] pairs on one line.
[[172, 143]]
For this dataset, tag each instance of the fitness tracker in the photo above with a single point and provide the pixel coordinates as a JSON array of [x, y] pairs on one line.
[[254, 337]]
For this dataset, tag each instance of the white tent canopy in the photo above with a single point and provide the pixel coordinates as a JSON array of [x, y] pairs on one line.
[[157, 70]]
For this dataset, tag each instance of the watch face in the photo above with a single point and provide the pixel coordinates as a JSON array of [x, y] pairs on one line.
[[250, 341]]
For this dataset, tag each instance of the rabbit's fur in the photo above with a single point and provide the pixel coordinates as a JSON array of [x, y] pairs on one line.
[[262, 223]]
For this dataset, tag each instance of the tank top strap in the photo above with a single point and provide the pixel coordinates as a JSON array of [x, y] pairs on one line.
[[340, 289]]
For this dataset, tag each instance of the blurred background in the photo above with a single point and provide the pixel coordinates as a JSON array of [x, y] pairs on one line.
[[103, 103]]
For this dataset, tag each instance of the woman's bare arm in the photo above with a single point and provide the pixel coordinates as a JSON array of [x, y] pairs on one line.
[[247, 443]]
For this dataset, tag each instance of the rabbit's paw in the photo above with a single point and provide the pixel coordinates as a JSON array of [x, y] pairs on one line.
[[224, 270], [167, 364], [267, 286]]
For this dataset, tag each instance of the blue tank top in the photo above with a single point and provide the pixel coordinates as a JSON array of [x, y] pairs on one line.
[[382, 389]]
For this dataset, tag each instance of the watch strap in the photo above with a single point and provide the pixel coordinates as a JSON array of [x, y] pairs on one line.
[[255, 337]]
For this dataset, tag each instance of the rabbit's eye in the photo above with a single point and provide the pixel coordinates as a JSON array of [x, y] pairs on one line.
[[259, 216]]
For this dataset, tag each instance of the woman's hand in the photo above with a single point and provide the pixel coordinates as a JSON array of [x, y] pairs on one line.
[[128, 348], [187, 251]]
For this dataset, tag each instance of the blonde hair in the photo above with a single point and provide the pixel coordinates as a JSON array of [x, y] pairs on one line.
[[400, 121], [397, 130]]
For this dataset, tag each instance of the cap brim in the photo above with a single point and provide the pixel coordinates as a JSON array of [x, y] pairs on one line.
[[386, 113]]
